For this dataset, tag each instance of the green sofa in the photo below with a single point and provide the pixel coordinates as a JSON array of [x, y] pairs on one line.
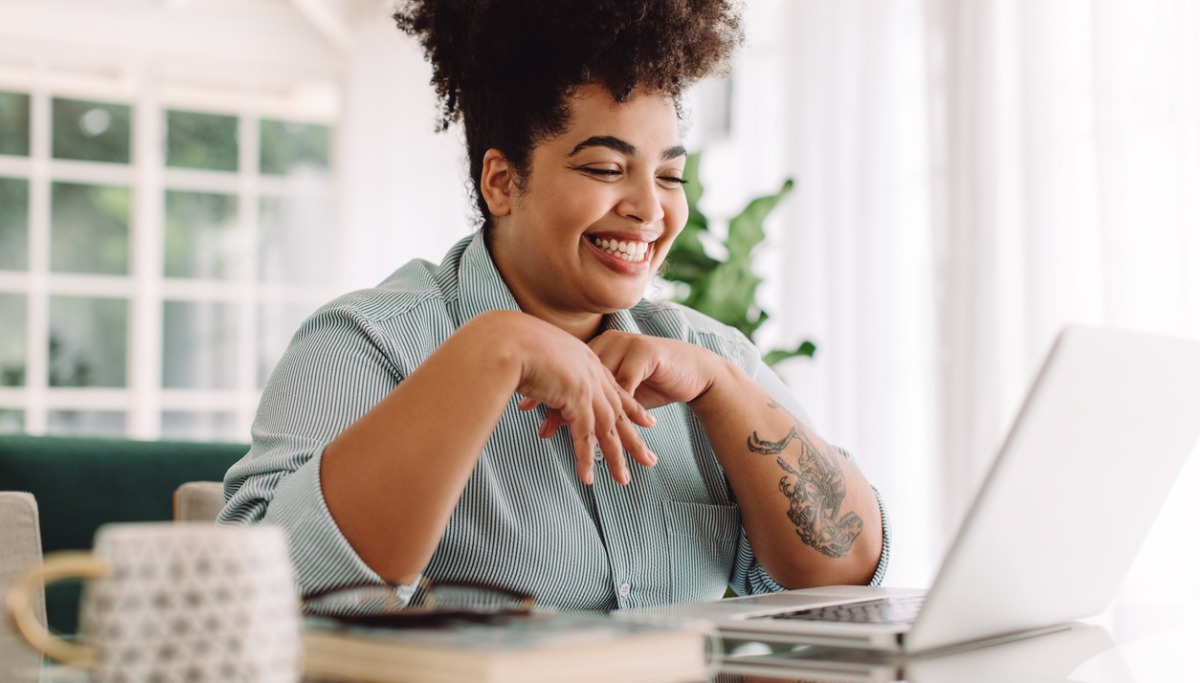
[[81, 483]]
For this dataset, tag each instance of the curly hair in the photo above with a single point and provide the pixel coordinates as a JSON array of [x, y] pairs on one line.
[[507, 68]]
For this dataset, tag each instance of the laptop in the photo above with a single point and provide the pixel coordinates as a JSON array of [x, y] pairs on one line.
[[1052, 658], [1104, 431]]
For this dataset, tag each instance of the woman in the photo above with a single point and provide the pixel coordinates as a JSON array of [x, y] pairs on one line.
[[470, 421]]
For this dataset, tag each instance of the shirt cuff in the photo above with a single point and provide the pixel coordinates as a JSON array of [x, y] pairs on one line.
[[322, 556]]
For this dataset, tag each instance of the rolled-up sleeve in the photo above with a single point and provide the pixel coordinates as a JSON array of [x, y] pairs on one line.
[[335, 370]]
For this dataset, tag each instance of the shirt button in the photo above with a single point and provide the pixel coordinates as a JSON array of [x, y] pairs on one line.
[[598, 454], [624, 590]]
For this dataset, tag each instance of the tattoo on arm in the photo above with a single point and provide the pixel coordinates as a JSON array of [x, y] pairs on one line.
[[815, 487]]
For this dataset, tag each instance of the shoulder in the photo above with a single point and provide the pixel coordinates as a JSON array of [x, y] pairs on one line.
[[409, 312], [418, 288], [675, 321]]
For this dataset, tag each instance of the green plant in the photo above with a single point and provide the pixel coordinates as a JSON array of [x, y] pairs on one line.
[[725, 289]]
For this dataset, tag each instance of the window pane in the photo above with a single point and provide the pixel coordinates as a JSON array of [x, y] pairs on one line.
[[91, 131], [88, 341], [277, 323], [14, 123], [12, 340], [85, 423], [201, 427], [11, 421], [199, 345], [207, 141], [287, 147], [296, 242], [14, 223], [89, 227], [201, 235]]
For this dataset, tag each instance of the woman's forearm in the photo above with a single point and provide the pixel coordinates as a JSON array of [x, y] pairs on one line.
[[391, 480], [810, 515]]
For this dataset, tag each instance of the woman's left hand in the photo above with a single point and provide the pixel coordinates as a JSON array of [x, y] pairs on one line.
[[656, 371]]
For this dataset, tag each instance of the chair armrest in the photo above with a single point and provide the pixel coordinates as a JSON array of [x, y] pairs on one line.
[[199, 501]]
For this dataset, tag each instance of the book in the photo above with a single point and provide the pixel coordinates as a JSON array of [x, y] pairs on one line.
[[534, 648]]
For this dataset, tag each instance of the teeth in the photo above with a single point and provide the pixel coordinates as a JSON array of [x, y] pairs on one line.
[[633, 252]]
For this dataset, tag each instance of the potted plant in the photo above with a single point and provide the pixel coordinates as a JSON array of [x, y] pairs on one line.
[[725, 288]]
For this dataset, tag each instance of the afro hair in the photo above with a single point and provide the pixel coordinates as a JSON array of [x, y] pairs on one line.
[[506, 68]]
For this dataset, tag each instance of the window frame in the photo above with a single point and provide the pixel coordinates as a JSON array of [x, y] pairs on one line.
[[151, 92]]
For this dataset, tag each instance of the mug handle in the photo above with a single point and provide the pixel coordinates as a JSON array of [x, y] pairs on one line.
[[19, 601]]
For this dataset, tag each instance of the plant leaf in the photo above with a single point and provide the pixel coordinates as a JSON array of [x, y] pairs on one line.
[[746, 228], [806, 348], [693, 189]]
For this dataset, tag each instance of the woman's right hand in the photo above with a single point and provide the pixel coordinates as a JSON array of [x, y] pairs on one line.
[[564, 374]]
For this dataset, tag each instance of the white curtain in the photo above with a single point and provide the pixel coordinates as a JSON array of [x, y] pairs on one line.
[[972, 175]]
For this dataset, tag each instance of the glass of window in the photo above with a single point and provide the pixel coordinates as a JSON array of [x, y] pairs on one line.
[[106, 423], [200, 237], [88, 341], [14, 223], [12, 340], [287, 147], [200, 341], [199, 140], [11, 421], [199, 426], [90, 131], [14, 123], [89, 229]]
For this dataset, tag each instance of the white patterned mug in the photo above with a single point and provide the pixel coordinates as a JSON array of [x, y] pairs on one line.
[[166, 601]]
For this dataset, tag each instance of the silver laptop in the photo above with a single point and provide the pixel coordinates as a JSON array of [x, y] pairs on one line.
[[1104, 431]]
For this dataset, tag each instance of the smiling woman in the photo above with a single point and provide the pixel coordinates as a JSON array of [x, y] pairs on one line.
[[489, 406]]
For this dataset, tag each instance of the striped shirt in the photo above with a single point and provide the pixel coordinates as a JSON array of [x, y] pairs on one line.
[[524, 520]]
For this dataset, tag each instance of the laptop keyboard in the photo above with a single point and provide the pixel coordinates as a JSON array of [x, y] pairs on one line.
[[898, 610]]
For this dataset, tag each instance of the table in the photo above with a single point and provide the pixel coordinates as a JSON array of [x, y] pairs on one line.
[[1148, 635]]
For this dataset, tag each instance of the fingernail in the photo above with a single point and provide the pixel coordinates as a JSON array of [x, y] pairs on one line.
[[653, 457], [651, 416], [588, 478]]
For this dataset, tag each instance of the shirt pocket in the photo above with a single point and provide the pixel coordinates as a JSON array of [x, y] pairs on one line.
[[702, 539]]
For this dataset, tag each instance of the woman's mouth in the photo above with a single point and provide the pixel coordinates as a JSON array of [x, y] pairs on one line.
[[631, 251]]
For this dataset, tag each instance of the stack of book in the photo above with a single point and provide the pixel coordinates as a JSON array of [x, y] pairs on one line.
[[549, 647]]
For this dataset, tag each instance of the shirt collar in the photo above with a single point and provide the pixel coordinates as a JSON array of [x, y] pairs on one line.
[[480, 287]]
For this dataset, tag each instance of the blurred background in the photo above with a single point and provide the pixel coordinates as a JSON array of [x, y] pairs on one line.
[[183, 181]]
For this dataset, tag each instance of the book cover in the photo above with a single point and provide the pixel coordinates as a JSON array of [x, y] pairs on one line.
[[527, 648]]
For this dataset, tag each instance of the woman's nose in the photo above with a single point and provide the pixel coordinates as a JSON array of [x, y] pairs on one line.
[[641, 202]]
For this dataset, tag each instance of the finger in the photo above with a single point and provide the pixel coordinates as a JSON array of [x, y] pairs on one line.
[[632, 407], [632, 440], [637, 412], [610, 446], [584, 443], [550, 423]]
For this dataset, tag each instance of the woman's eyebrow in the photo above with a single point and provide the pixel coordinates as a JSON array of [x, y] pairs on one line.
[[615, 144], [618, 145], [674, 153]]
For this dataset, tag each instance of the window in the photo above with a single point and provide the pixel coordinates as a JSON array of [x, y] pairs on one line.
[[157, 250]]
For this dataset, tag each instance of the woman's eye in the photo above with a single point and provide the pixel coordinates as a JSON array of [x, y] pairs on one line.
[[672, 180], [600, 172]]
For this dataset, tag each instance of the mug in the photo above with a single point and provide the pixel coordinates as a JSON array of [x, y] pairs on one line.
[[189, 601]]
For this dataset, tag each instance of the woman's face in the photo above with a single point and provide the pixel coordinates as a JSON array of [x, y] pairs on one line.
[[597, 212]]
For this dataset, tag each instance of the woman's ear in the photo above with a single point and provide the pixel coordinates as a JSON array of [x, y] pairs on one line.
[[497, 182]]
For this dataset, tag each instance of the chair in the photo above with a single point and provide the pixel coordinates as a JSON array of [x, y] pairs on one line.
[[199, 501], [20, 549]]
